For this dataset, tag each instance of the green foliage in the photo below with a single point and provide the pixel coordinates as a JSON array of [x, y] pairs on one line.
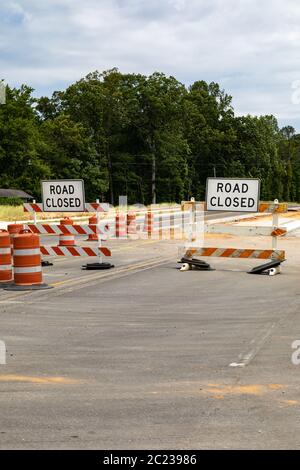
[[11, 201], [148, 137]]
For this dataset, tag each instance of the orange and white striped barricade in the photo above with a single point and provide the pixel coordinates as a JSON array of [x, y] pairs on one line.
[[6, 275], [274, 207], [27, 263], [64, 229], [66, 240], [67, 230], [89, 207], [241, 253], [80, 251], [275, 256], [190, 259], [74, 251], [13, 230]]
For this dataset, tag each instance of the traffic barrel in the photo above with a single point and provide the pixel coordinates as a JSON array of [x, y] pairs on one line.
[[150, 223], [131, 223], [66, 240], [92, 236], [121, 229], [5, 258], [27, 262], [13, 230]]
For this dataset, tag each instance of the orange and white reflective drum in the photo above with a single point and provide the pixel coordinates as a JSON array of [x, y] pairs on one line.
[[149, 223], [13, 229], [5, 257], [27, 259], [121, 225], [66, 240], [93, 236], [131, 223]]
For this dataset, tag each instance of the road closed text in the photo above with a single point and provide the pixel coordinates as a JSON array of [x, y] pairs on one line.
[[64, 196], [232, 195]]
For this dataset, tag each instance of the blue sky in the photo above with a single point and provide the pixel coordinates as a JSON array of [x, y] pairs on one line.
[[250, 47]]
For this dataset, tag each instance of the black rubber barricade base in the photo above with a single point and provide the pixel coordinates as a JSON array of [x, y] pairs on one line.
[[264, 268], [46, 263], [94, 266], [197, 264], [6, 284], [13, 287]]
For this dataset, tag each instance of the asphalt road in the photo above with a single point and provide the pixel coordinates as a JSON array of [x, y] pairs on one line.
[[142, 356]]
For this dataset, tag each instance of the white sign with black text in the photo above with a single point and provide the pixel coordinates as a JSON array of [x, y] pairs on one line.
[[63, 196], [234, 195]]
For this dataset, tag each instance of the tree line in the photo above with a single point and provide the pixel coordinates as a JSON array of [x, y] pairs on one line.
[[149, 137]]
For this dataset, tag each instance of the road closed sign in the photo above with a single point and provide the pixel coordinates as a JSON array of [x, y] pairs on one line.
[[63, 196], [234, 195]]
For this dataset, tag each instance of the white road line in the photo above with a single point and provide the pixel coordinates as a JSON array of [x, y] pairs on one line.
[[256, 345]]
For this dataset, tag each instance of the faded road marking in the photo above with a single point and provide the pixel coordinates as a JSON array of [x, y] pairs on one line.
[[290, 402], [219, 391], [256, 345], [37, 380]]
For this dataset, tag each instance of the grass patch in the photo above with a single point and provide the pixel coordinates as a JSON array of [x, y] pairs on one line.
[[15, 213], [12, 214]]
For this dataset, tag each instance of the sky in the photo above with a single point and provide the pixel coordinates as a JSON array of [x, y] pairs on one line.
[[250, 47]]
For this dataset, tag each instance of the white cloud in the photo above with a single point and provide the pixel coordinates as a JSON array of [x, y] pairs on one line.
[[249, 46]]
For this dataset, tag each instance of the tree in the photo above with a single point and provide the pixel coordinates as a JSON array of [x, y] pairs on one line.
[[20, 162], [148, 137], [70, 153]]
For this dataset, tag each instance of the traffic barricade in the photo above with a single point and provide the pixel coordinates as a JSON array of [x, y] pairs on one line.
[[190, 253]]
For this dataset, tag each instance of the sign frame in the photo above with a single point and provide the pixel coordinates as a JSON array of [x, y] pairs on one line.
[[73, 209], [254, 209]]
